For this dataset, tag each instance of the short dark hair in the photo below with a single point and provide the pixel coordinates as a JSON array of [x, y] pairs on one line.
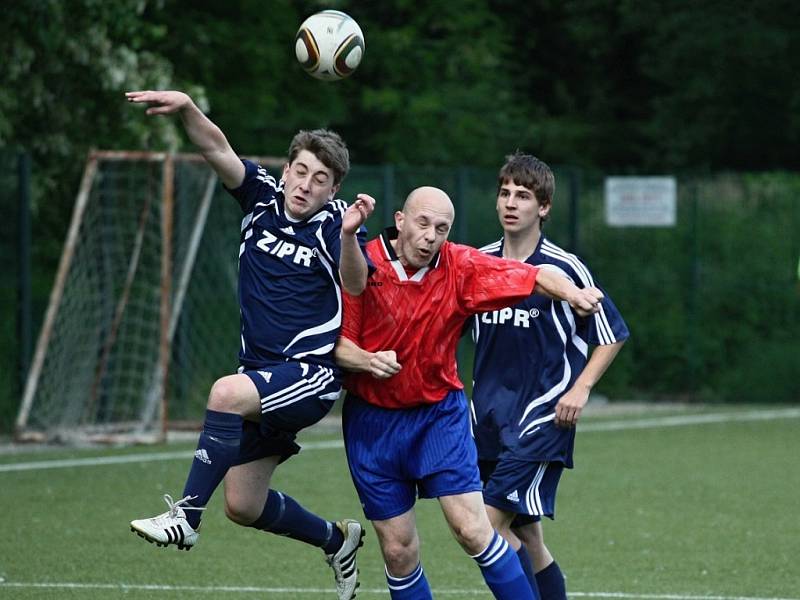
[[327, 146], [530, 172]]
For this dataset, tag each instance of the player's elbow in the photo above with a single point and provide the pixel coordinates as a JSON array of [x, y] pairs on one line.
[[354, 288]]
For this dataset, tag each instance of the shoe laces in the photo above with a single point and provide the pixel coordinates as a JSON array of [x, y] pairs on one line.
[[183, 504]]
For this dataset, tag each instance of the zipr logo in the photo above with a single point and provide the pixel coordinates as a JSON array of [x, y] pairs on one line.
[[514, 316], [300, 254]]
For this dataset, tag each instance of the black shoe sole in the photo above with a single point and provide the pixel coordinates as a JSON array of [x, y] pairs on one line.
[[157, 543]]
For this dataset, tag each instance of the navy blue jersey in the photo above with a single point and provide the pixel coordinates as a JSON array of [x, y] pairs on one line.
[[527, 356], [289, 289]]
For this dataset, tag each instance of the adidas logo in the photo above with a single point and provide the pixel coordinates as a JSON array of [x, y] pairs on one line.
[[201, 455], [288, 230], [513, 497], [267, 375]]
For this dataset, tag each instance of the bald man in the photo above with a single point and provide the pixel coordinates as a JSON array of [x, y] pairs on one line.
[[406, 420]]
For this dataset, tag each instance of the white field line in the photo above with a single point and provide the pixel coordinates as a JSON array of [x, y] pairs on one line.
[[619, 425], [216, 589], [130, 458], [681, 420]]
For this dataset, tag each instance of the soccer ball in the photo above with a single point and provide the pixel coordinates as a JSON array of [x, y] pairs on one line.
[[329, 45]]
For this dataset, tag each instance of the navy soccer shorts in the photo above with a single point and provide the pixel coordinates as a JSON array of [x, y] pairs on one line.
[[396, 455], [294, 395], [522, 487]]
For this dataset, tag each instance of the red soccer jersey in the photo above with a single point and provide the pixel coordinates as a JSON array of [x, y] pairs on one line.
[[420, 317]]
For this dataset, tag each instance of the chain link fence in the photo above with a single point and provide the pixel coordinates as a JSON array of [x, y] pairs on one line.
[[713, 303]]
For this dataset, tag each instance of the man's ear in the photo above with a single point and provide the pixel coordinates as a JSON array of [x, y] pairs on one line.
[[399, 217], [544, 210], [285, 171], [334, 190]]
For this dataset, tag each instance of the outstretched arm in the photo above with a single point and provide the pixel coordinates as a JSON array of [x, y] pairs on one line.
[[203, 133], [352, 265], [351, 357], [585, 301], [570, 406]]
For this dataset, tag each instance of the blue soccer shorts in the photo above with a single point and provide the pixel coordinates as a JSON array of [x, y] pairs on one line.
[[397, 455], [294, 395], [522, 487]]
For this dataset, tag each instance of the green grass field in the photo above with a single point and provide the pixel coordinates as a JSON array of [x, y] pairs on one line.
[[680, 504]]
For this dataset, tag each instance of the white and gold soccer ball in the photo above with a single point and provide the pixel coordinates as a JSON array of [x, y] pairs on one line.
[[329, 45]]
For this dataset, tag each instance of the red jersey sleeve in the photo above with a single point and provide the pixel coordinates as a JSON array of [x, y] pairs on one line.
[[351, 317], [488, 282]]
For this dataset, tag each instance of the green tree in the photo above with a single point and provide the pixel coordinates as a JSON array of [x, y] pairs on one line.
[[659, 86], [432, 87], [66, 68], [436, 88], [61, 93], [725, 92], [242, 53]]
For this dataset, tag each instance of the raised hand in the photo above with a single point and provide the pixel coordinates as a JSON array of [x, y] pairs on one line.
[[203, 133], [160, 103], [357, 213]]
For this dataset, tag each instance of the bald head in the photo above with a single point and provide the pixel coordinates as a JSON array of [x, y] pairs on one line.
[[422, 226], [429, 198]]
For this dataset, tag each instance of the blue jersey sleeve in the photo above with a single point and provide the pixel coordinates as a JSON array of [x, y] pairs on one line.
[[258, 187], [607, 326], [604, 327]]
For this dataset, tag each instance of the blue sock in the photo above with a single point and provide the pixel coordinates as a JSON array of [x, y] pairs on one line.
[[527, 568], [503, 573], [217, 448], [282, 515], [551, 583], [411, 587]]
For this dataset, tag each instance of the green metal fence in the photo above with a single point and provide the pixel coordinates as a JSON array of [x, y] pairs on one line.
[[713, 303], [15, 297]]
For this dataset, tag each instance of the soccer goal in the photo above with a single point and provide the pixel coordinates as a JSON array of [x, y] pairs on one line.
[[142, 316]]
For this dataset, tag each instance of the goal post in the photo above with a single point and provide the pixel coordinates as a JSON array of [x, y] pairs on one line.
[[55, 297], [143, 316]]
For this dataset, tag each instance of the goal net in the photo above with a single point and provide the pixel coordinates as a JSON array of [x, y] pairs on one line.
[[142, 316]]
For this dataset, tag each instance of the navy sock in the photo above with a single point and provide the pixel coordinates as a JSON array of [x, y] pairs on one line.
[[503, 573], [527, 568], [282, 515], [551, 583], [413, 586], [217, 449]]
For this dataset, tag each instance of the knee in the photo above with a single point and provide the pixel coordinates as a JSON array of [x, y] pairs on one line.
[[223, 396], [240, 512], [473, 535], [401, 556]]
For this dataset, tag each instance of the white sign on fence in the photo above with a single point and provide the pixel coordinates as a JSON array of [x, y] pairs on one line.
[[641, 201]]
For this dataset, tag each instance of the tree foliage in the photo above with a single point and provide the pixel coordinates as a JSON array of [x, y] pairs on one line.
[[66, 67], [61, 93], [622, 86]]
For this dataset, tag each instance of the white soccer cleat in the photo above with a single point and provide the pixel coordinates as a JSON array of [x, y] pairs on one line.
[[170, 527], [343, 562]]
